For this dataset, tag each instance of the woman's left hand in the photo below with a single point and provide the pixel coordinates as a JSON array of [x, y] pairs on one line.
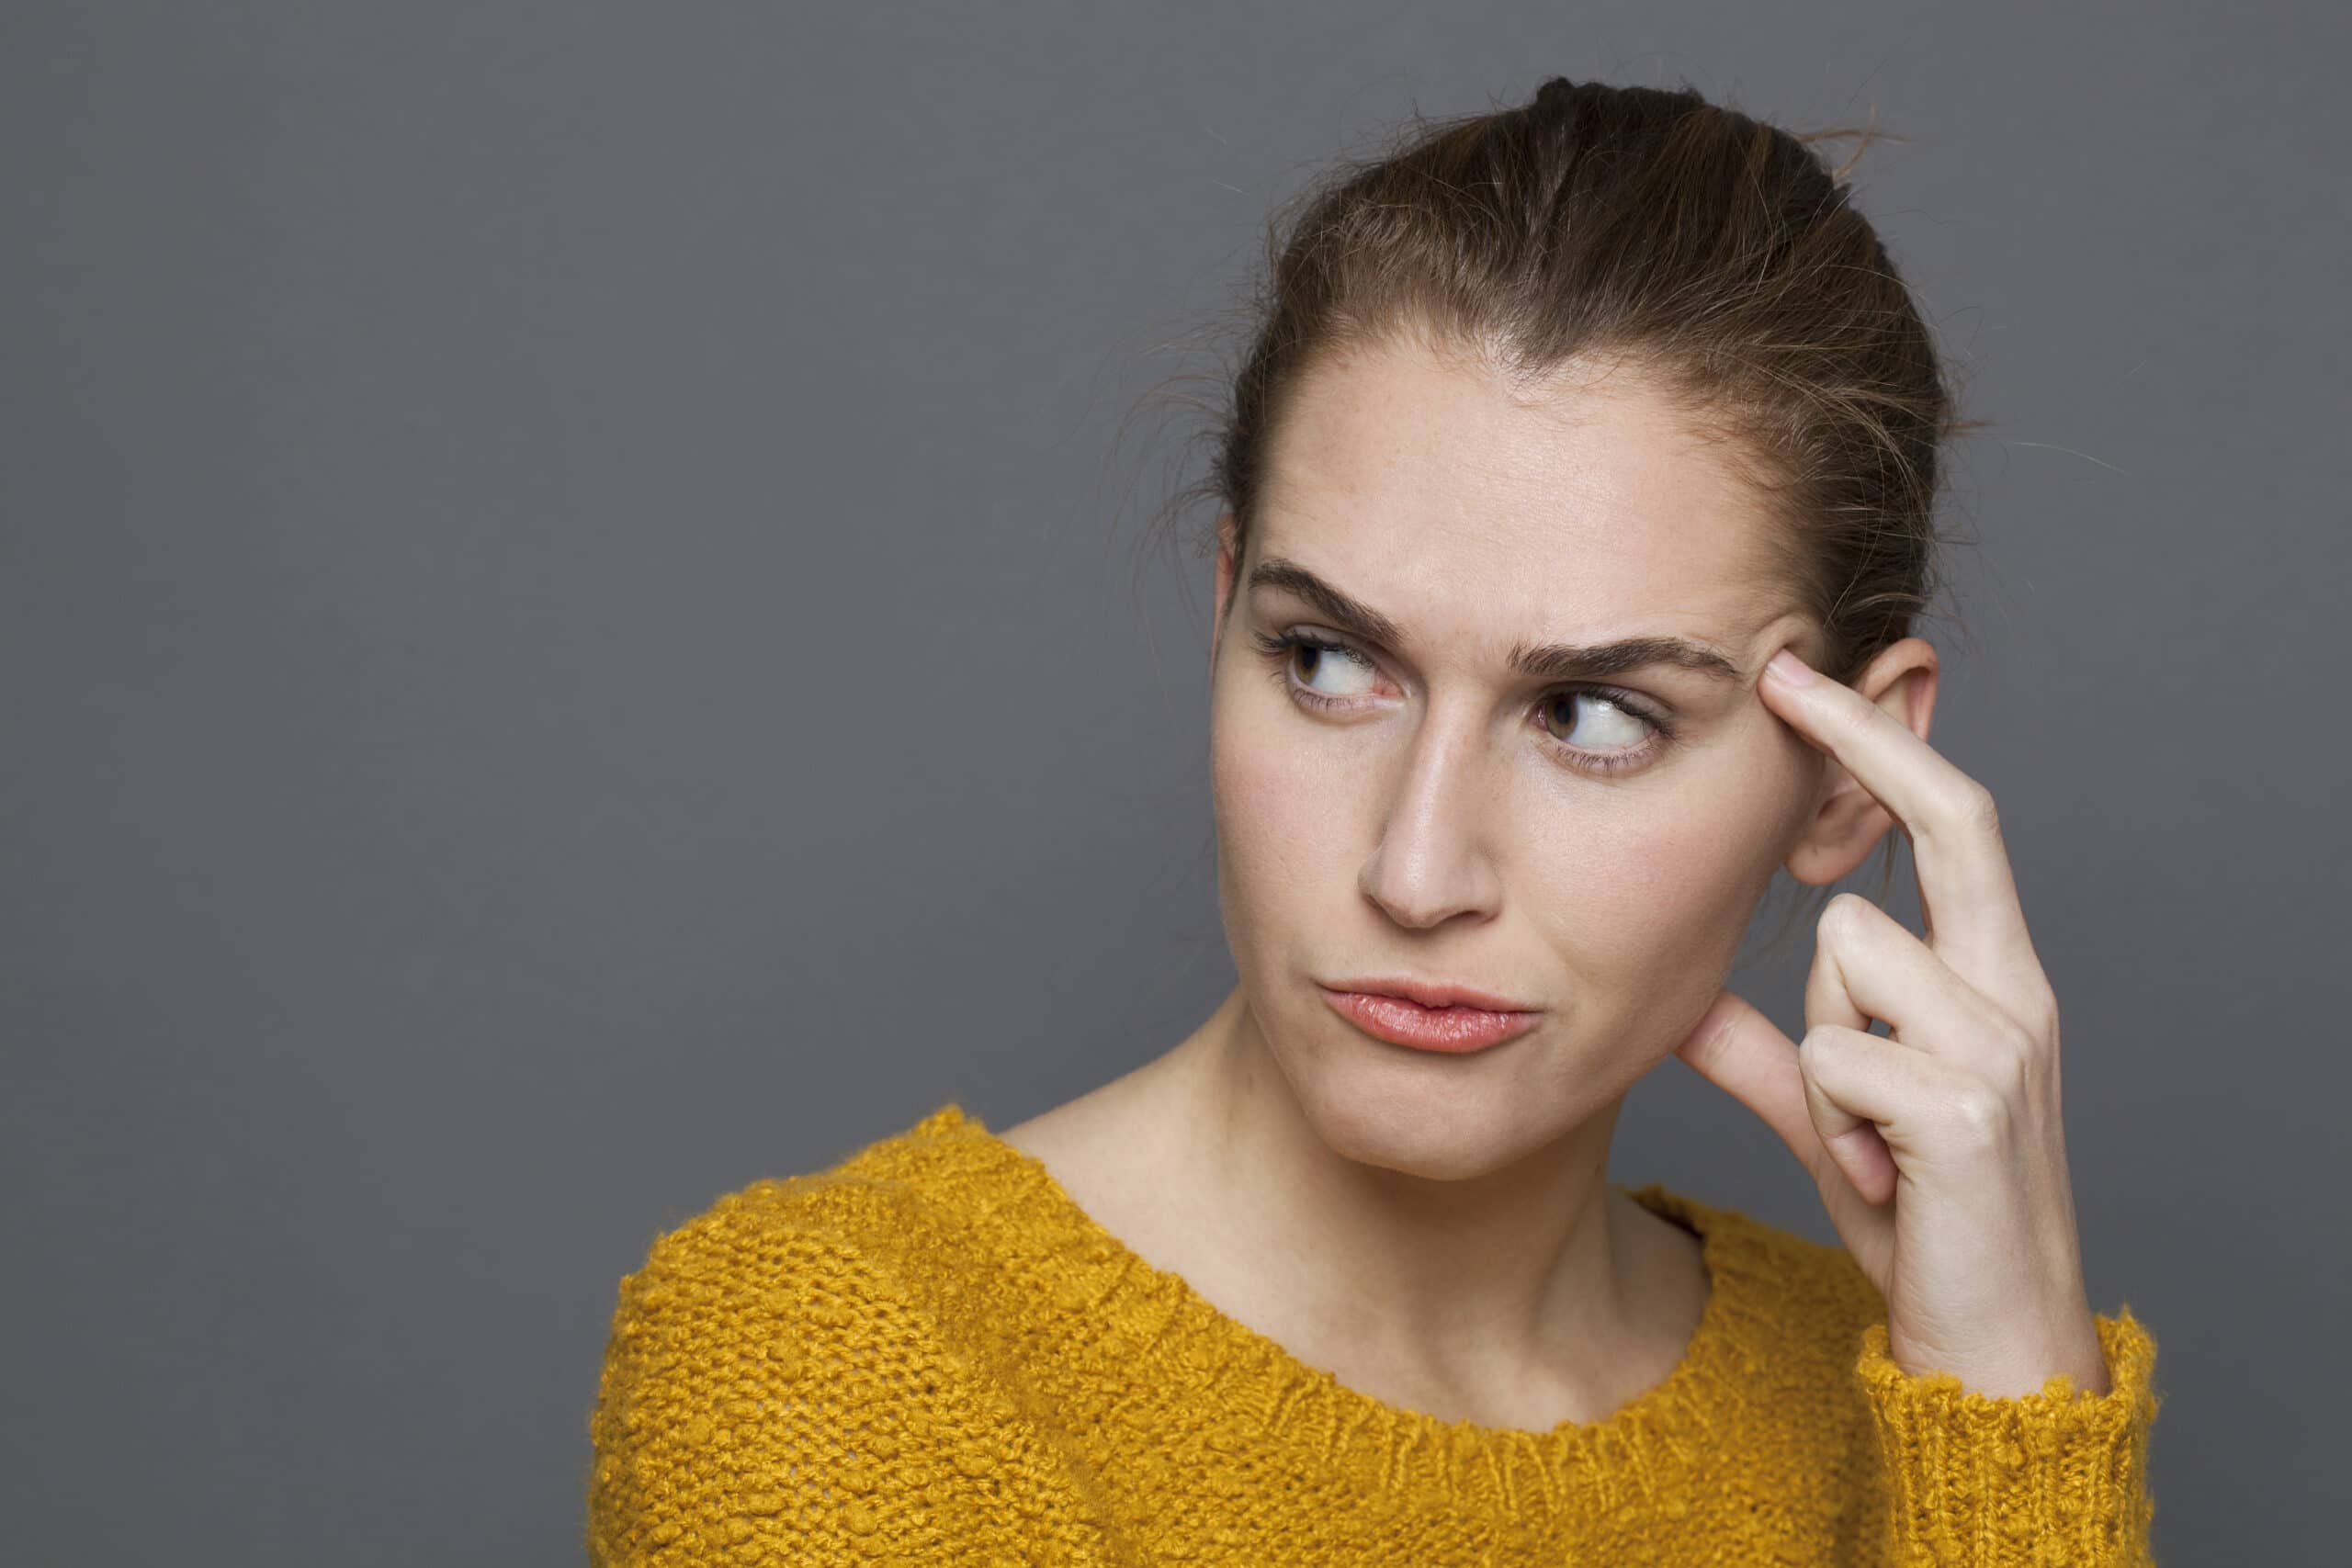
[[1937, 1148]]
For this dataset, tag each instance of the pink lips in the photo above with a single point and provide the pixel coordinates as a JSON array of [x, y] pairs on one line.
[[1454, 1027]]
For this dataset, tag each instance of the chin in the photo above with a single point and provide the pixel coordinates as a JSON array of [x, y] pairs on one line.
[[1416, 1114]]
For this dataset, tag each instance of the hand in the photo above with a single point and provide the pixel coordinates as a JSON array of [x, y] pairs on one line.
[[1938, 1147]]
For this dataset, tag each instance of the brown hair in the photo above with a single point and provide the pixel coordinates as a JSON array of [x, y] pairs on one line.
[[1717, 255]]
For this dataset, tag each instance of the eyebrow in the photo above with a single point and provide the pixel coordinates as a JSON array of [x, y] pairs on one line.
[[1548, 661]]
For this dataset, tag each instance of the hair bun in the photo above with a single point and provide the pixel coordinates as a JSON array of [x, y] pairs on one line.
[[1555, 94]]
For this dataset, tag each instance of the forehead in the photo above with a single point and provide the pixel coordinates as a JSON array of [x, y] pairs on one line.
[[1426, 483]]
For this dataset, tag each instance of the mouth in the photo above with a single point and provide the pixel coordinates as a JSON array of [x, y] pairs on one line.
[[1429, 994], [1450, 1019]]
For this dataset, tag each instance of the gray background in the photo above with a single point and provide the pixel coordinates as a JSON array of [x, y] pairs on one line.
[[567, 643]]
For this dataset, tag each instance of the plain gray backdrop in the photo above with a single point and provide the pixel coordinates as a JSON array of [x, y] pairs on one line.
[[567, 642]]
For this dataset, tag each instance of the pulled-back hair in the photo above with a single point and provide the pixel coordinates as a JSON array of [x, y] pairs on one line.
[[1718, 257]]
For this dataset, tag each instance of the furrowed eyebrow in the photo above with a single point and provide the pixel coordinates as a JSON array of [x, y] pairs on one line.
[[1548, 661]]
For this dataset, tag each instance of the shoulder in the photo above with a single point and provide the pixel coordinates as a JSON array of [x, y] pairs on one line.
[[828, 1250], [777, 1370], [746, 1282], [730, 1309]]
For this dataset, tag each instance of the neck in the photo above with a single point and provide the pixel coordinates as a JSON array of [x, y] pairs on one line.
[[1509, 1289]]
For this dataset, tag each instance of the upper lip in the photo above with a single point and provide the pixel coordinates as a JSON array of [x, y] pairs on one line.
[[1430, 994]]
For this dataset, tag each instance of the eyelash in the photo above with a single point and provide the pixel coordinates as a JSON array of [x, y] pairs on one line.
[[1280, 650]]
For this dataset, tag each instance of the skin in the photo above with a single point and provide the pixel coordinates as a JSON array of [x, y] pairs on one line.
[[1438, 1230]]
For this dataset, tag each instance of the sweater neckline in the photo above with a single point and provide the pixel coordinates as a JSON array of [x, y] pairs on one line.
[[1159, 1331]]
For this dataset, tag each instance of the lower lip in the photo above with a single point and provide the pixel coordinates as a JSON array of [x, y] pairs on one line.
[[1456, 1029]]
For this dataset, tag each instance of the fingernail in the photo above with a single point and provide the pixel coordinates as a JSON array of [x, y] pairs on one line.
[[1791, 669]]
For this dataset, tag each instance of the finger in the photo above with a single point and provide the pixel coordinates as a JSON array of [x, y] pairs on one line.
[[1918, 1103], [1966, 886], [1850, 1137], [1828, 995], [1868, 966], [1738, 1048]]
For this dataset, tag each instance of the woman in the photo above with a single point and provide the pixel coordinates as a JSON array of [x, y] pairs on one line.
[[1578, 503]]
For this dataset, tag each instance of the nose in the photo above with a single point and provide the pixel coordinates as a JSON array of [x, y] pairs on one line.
[[1432, 863]]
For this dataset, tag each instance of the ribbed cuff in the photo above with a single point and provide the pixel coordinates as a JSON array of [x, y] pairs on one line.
[[2053, 1477]]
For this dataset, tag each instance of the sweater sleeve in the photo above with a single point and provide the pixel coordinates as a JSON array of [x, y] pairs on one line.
[[2058, 1476], [770, 1395]]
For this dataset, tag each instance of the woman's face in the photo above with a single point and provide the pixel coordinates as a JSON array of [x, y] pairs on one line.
[[1447, 818]]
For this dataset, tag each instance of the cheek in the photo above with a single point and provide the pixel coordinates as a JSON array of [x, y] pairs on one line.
[[1291, 829], [1273, 808], [1660, 884]]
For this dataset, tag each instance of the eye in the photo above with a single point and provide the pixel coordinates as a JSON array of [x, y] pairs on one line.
[[1598, 721], [1312, 659], [1621, 731]]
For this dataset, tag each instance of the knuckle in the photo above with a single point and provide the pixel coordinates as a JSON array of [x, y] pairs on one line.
[[1845, 916], [1979, 1114], [2009, 1065], [2042, 1012], [1974, 806], [2023, 1043]]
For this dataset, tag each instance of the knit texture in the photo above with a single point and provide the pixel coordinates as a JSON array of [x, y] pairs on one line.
[[930, 1353]]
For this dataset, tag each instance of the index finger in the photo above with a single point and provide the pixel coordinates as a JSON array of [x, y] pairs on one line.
[[1966, 887]]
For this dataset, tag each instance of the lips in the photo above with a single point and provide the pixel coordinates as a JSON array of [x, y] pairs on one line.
[[1452, 1027], [1430, 994]]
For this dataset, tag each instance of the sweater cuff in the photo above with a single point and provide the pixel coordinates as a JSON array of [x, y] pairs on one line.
[[2059, 1476]]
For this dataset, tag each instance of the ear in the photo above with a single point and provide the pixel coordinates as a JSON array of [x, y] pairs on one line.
[[1227, 564], [1847, 821]]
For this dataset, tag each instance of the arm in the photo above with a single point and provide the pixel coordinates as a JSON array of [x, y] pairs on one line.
[[2058, 1476]]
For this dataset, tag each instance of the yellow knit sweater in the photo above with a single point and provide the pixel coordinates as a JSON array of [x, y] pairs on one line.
[[929, 1354]]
